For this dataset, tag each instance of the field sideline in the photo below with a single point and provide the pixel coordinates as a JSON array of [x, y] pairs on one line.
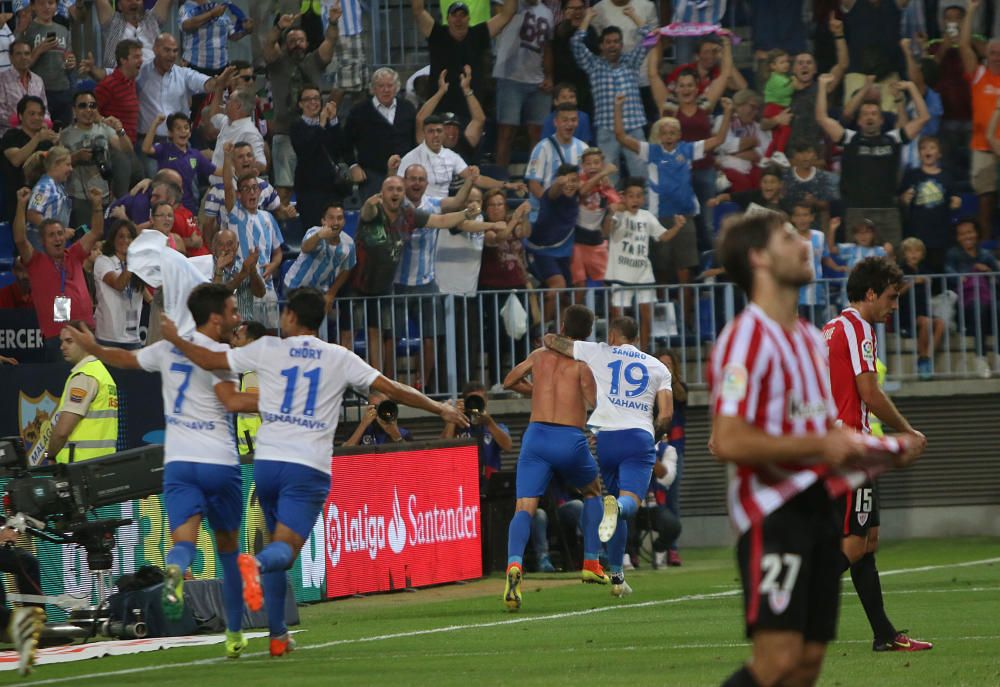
[[680, 627]]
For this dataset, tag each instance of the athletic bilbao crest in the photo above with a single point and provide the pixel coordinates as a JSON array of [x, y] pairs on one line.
[[34, 423], [862, 518], [778, 600]]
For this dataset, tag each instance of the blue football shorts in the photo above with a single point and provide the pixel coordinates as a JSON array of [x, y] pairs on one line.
[[547, 448], [212, 491], [290, 493], [626, 458]]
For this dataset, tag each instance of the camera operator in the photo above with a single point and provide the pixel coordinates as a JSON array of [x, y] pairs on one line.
[[496, 436], [90, 140], [379, 423], [87, 414], [22, 626]]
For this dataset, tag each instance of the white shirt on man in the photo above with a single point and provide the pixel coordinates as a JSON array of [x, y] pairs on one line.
[[610, 14], [165, 93], [243, 130], [441, 167]]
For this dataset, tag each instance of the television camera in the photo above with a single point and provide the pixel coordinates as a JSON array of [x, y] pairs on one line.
[[56, 504]]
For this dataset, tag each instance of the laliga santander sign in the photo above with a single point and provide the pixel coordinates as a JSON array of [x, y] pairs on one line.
[[402, 519]]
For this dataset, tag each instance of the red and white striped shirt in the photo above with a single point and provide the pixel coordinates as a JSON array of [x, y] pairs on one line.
[[853, 350], [776, 380]]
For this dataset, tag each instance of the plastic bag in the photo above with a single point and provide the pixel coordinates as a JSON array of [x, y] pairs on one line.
[[515, 317]]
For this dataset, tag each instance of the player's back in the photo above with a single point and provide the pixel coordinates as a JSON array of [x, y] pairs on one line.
[[558, 389], [199, 429], [627, 382], [852, 351], [302, 381]]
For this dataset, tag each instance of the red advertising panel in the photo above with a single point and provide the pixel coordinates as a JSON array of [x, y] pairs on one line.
[[402, 519]]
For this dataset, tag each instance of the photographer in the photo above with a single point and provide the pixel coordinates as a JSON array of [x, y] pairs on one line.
[[20, 626], [379, 424], [90, 140], [496, 436]]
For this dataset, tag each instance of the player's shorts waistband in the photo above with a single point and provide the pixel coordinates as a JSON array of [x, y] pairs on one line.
[[557, 426]]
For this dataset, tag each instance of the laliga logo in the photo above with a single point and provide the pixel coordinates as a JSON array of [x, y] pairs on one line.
[[333, 535], [397, 527]]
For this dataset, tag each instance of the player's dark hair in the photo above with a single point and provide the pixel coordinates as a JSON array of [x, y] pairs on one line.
[[875, 273], [308, 305], [254, 329], [627, 327], [578, 321], [207, 300], [750, 232]]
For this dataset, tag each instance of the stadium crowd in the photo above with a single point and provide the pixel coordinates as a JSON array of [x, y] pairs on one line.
[[311, 167]]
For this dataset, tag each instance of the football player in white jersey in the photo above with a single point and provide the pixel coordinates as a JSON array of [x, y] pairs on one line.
[[629, 383], [302, 380], [201, 465]]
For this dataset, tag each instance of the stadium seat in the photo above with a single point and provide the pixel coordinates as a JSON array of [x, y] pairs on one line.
[[722, 210], [351, 218], [7, 250]]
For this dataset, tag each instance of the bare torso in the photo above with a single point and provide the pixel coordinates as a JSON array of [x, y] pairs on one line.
[[560, 387]]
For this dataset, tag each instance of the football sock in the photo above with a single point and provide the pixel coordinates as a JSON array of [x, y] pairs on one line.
[[869, 588], [276, 556], [182, 554], [517, 536], [741, 678], [845, 562], [232, 590], [628, 507], [274, 584], [616, 546], [593, 511]]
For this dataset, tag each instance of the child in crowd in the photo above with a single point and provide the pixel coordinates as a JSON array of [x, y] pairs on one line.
[[778, 92], [914, 305], [52, 58], [806, 180], [49, 200], [976, 294], [590, 250], [178, 155], [770, 195], [550, 248], [865, 245], [813, 303], [629, 232], [928, 197], [565, 92]]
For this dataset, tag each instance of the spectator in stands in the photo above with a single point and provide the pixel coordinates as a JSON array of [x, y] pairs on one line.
[[440, 163], [976, 292], [17, 82], [523, 73], [244, 163], [458, 44], [614, 72], [864, 244], [317, 138], [239, 275], [17, 294], [872, 29], [550, 250], [871, 160], [924, 76], [806, 180], [492, 437], [566, 92], [597, 196], [677, 440], [347, 73], [161, 219], [380, 127], [325, 261], [770, 195], [465, 141], [927, 195], [374, 429], [613, 13], [243, 78], [52, 58], [778, 90], [915, 315], [257, 229], [119, 294], [177, 154], [777, 24], [812, 297], [985, 84], [707, 65], [546, 157], [235, 126], [802, 112], [49, 199], [502, 270], [745, 145], [20, 143], [207, 35], [130, 20], [565, 68], [91, 141], [289, 67], [696, 12], [58, 287], [118, 96]]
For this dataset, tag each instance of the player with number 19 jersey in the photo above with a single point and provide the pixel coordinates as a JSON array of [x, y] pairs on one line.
[[302, 381]]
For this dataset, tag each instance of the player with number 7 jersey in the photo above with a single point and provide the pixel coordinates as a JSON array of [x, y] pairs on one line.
[[302, 381]]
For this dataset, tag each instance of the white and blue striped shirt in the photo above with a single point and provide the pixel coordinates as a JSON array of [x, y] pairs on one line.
[[62, 6], [324, 264], [255, 230], [207, 47], [851, 253], [699, 11], [416, 264], [350, 23], [545, 160], [49, 199], [216, 196]]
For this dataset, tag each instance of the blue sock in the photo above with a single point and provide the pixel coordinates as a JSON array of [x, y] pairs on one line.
[[274, 584], [517, 536], [232, 591], [182, 555], [628, 507], [616, 546], [593, 511], [276, 557]]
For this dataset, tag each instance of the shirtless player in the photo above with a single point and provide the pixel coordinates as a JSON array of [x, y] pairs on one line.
[[554, 442]]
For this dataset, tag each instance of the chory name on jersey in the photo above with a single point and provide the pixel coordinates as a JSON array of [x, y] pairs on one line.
[[198, 425], [630, 405], [305, 352], [307, 422]]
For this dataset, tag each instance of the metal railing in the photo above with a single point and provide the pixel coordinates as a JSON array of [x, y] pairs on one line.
[[438, 342]]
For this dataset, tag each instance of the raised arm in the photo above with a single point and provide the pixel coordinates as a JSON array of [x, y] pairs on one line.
[[914, 126], [332, 35], [90, 239], [18, 228], [458, 201], [830, 126], [581, 53], [623, 138], [719, 137], [409, 396], [717, 88], [425, 22], [149, 139], [913, 71], [104, 11], [430, 106], [970, 61], [270, 45], [228, 183], [477, 117], [116, 357], [161, 10], [501, 18], [656, 85], [843, 57], [856, 99]]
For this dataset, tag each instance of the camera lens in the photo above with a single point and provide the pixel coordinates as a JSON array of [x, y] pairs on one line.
[[387, 410]]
